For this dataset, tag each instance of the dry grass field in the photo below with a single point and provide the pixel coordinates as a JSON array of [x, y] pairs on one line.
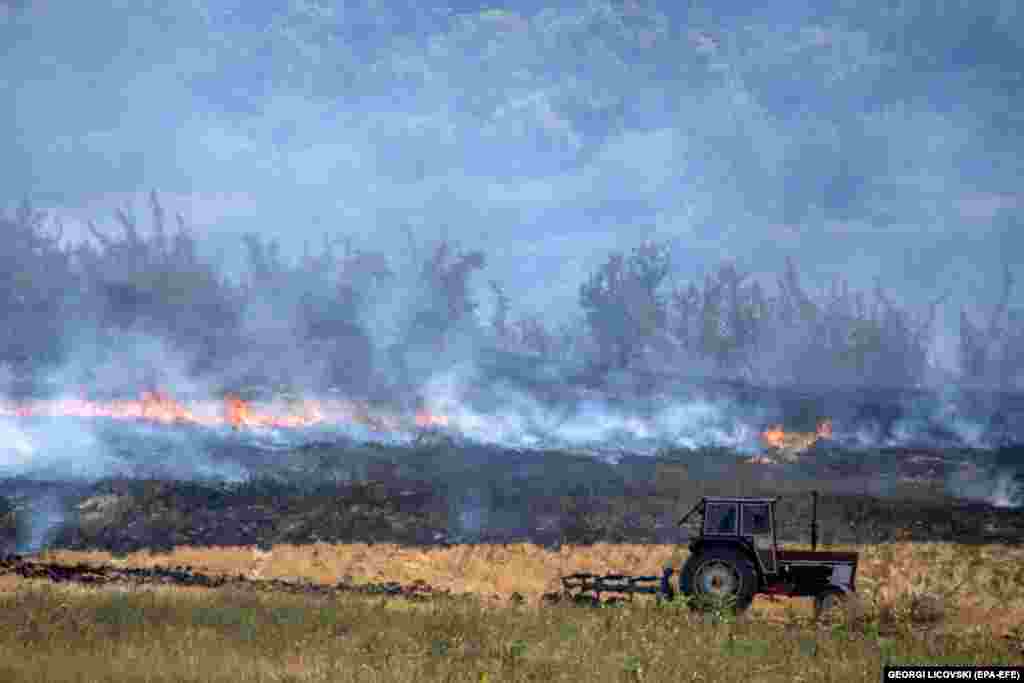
[[919, 603], [921, 600]]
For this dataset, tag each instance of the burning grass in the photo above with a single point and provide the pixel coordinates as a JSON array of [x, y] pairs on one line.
[[58, 633], [789, 444], [232, 411]]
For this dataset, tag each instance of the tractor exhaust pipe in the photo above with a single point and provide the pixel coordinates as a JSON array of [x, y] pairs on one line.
[[814, 520]]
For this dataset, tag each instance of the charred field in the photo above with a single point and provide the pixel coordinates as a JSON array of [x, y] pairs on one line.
[[442, 490]]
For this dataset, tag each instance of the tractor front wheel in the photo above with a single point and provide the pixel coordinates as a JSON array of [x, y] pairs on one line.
[[718, 576]]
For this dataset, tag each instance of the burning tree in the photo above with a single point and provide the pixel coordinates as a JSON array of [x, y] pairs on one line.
[[994, 355], [685, 306], [528, 331], [36, 277], [793, 337], [624, 309], [436, 310], [500, 320], [322, 300], [447, 304], [839, 338], [535, 337], [726, 321], [159, 284]]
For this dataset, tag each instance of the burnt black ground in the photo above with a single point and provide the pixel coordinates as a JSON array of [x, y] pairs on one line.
[[443, 492], [8, 526]]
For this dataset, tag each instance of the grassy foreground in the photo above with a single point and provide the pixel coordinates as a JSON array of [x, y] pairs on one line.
[[921, 603]]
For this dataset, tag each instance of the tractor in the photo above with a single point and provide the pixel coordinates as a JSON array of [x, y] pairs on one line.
[[735, 557]]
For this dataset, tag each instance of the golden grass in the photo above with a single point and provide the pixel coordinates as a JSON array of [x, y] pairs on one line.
[[484, 570], [74, 633], [975, 584]]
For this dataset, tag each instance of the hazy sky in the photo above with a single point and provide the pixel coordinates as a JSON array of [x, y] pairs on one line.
[[857, 138]]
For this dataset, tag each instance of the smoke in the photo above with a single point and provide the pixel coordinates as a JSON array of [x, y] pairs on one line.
[[529, 407], [121, 363], [45, 515], [16, 448], [1007, 493], [508, 416], [964, 428], [55, 449], [469, 515], [531, 163], [999, 487], [63, 451], [939, 420], [52, 448], [502, 414], [60, 451]]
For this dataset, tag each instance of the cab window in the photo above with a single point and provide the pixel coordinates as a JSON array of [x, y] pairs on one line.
[[720, 518], [756, 520]]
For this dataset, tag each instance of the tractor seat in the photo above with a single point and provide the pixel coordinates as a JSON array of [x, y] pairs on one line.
[[815, 556]]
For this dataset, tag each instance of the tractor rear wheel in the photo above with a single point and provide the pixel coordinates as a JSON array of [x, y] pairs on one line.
[[717, 575]]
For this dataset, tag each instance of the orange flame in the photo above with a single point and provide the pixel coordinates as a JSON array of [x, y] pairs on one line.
[[161, 407], [425, 418], [152, 407], [239, 413], [778, 438], [774, 436]]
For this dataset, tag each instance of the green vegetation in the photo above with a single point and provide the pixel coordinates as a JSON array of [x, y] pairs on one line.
[[59, 634]]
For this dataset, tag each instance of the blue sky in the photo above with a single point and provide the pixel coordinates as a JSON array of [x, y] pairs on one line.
[[866, 141]]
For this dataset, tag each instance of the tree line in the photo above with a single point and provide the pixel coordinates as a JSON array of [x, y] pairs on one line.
[[322, 311]]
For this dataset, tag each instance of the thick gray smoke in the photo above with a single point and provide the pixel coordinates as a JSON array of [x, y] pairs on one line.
[[472, 170]]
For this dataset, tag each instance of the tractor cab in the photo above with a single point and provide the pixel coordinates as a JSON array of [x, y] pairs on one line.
[[749, 521]]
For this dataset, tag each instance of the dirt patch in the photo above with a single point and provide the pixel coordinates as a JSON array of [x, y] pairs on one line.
[[116, 576]]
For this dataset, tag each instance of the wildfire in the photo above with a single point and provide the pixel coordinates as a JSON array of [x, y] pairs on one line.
[[161, 407], [795, 442], [234, 411], [239, 413], [152, 406], [425, 419]]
